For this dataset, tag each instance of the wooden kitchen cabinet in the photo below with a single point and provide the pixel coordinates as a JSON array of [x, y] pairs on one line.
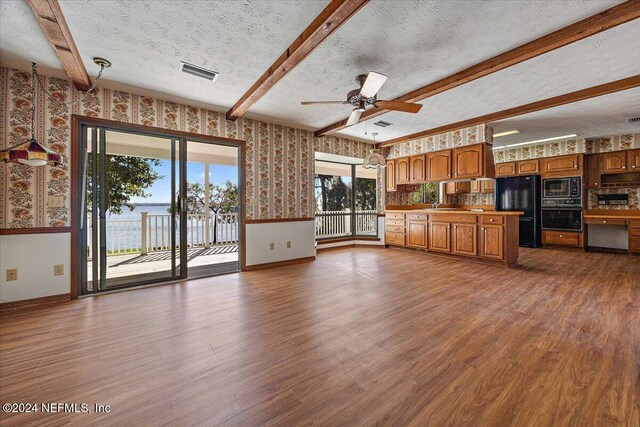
[[528, 167], [403, 175], [418, 168], [633, 161], [487, 185], [390, 175], [592, 173], [457, 187], [439, 165], [440, 237], [476, 186], [473, 161], [615, 162], [491, 241], [417, 234], [560, 166], [506, 169], [464, 239]]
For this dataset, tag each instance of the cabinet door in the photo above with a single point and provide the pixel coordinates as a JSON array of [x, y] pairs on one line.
[[468, 162], [488, 185], [464, 239], [528, 167], [450, 188], [506, 169], [440, 237], [476, 186], [592, 176], [633, 160], [418, 168], [463, 187], [561, 164], [491, 242], [390, 176], [417, 234], [615, 162], [439, 165], [402, 171]]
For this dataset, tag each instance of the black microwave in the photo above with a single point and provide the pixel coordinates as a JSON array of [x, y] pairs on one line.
[[562, 187]]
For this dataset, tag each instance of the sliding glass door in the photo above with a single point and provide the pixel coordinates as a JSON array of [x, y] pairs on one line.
[[155, 208]]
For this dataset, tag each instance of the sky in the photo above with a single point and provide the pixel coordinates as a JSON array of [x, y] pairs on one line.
[[160, 191]]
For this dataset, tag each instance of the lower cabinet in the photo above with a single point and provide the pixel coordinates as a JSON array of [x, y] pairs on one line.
[[491, 238], [417, 234], [440, 237], [464, 239]]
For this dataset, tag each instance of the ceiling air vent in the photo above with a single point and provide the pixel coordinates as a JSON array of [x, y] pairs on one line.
[[635, 120], [194, 70], [382, 123]]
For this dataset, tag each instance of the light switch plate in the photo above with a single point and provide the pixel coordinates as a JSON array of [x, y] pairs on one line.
[[58, 270], [12, 274]]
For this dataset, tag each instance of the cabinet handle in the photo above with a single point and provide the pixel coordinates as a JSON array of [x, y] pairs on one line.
[[561, 235], [604, 222], [633, 167], [624, 167], [490, 220], [482, 228]]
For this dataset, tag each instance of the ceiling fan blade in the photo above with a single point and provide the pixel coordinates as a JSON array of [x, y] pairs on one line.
[[407, 107], [354, 117], [372, 84], [322, 102]]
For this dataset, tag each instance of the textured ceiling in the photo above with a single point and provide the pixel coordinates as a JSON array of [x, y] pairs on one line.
[[602, 116], [413, 42]]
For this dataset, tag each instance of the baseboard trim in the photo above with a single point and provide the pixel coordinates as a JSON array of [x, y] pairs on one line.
[[34, 302], [348, 246], [279, 263]]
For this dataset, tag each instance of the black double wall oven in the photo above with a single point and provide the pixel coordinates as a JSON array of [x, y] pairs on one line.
[[562, 204]]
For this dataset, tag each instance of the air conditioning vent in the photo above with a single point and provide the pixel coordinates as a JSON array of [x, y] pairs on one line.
[[635, 120], [194, 70], [382, 123]]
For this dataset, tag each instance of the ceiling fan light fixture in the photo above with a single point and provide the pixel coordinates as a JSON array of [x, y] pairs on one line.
[[374, 160]]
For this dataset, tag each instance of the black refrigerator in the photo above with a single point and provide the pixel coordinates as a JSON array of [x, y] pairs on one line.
[[523, 193]]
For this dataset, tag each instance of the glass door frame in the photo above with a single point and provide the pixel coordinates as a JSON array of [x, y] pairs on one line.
[[79, 126]]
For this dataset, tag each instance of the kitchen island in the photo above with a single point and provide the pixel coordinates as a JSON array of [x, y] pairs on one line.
[[484, 235]]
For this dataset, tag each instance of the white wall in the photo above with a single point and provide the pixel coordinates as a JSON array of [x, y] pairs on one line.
[[260, 235], [34, 255]]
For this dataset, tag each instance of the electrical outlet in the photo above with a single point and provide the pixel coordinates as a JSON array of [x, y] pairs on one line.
[[58, 270], [12, 274], [289, 244], [272, 246]]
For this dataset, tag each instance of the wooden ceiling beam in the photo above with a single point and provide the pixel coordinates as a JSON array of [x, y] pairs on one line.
[[556, 101], [587, 27], [51, 19], [330, 19]]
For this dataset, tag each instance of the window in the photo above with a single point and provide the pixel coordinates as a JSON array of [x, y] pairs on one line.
[[345, 200], [427, 193]]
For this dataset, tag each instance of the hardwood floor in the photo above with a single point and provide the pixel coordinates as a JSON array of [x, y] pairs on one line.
[[358, 337]]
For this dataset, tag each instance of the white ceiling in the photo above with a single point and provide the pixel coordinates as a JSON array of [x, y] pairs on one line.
[[413, 42]]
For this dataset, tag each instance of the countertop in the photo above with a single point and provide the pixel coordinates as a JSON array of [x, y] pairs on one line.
[[612, 214], [455, 211]]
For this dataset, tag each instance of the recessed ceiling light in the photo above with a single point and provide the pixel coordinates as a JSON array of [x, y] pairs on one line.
[[509, 132], [194, 70], [536, 141]]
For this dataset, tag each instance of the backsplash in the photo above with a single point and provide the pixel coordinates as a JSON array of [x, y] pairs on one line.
[[634, 198], [468, 199]]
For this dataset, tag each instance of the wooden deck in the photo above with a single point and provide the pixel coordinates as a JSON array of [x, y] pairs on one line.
[[359, 337]]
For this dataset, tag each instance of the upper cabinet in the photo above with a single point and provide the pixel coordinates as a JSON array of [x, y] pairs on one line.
[[506, 169], [403, 175], [570, 165], [528, 167], [633, 161], [487, 185], [390, 175], [418, 168], [592, 174], [439, 165], [473, 161], [615, 162]]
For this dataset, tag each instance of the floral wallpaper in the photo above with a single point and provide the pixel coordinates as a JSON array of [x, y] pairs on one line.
[[279, 162], [456, 138], [569, 146], [469, 199]]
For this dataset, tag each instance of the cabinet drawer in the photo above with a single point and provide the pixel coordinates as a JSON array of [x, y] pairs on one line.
[[608, 221], [634, 232], [388, 222], [634, 245], [394, 238], [390, 215], [418, 217], [394, 228], [562, 238], [492, 219], [453, 218]]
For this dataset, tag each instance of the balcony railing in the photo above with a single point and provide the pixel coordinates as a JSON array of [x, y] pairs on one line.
[[152, 233], [339, 223]]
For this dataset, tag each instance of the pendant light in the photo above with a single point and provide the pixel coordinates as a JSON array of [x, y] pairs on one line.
[[31, 152], [374, 159]]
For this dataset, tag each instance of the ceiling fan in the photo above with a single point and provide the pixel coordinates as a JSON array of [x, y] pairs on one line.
[[366, 97]]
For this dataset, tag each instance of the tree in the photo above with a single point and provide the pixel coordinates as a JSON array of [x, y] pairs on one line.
[[365, 194], [222, 199], [334, 194], [126, 177]]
